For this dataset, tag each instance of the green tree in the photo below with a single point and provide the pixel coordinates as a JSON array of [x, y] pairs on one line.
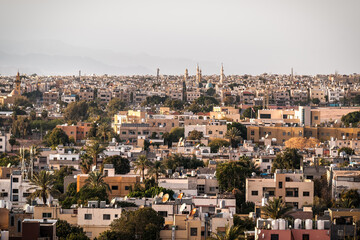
[[65, 231], [315, 101], [276, 208], [231, 233], [174, 135], [12, 142], [234, 135], [93, 132], [94, 150], [96, 180], [144, 223], [288, 159], [44, 114], [252, 112], [56, 137], [218, 143], [86, 162], [347, 150], [22, 102], [351, 118], [242, 128], [104, 132], [195, 135], [177, 160], [229, 101], [43, 184], [156, 170], [121, 165], [115, 105], [76, 111], [141, 164], [350, 199]]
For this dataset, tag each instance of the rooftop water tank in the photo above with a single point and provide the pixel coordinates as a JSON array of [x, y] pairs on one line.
[[282, 224], [297, 223], [320, 224], [308, 224], [275, 224]]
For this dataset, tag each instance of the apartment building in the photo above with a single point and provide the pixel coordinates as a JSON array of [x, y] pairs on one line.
[[335, 95], [86, 95], [120, 185], [191, 96], [50, 97], [78, 131], [290, 186], [319, 94], [343, 180], [298, 95], [68, 98], [104, 96], [282, 133], [213, 129], [282, 97], [225, 113]]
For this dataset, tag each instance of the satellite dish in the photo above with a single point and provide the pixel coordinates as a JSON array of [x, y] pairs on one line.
[[193, 212], [93, 168], [113, 201], [125, 198], [180, 139], [9, 165], [180, 196], [160, 195], [183, 206], [267, 135], [197, 146], [165, 198]]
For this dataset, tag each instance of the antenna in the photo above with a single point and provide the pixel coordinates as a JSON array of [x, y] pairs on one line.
[[165, 198]]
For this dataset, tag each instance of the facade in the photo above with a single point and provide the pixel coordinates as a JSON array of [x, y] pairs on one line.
[[78, 131], [291, 186]]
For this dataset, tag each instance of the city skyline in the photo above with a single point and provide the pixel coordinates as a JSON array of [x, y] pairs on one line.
[[51, 38]]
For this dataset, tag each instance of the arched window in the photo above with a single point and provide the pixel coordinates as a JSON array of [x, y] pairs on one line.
[[19, 225]]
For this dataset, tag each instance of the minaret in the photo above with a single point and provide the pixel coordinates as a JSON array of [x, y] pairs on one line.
[[222, 75], [197, 73], [17, 84], [186, 75]]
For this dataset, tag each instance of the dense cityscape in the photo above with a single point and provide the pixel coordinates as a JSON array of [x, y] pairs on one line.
[[180, 157], [179, 120]]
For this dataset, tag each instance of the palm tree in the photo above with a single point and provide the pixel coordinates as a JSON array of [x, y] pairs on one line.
[[276, 208], [94, 150], [234, 135], [86, 163], [103, 131], [156, 169], [96, 181], [141, 164], [231, 233], [43, 182]]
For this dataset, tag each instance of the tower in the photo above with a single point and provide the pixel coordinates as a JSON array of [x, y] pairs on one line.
[[292, 75], [186, 75], [222, 75], [157, 74], [197, 74], [17, 85]]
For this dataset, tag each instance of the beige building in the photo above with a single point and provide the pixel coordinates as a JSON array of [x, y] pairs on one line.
[[45, 212], [290, 186]]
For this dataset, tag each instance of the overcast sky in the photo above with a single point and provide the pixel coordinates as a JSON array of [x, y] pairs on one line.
[[312, 36]]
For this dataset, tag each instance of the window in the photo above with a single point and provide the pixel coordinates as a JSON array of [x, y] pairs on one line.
[[271, 193], [252, 132], [46, 215], [274, 237], [212, 189], [254, 193], [15, 190], [306, 237], [26, 194], [116, 216], [15, 198], [19, 225], [210, 132], [306, 194], [15, 179], [106, 216], [280, 184], [287, 179], [265, 116], [201, 188], [289, 193], [316, 118], [114, 187], [211, 209], [193, 231], [221, 132], [88, 216], [163, 213], [127, 187], [12, 221]]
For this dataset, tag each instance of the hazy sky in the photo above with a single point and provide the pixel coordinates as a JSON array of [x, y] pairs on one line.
[[313, 36]]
